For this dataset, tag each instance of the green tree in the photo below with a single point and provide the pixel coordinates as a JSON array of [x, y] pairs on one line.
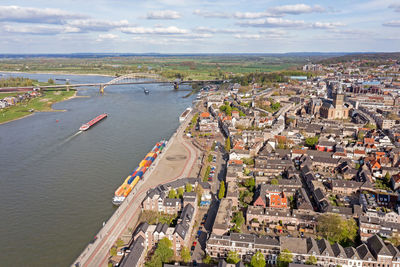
[[210, 158], [180, 192], [172, 193], [250, 183], [113, 251], [370, 126], [207, 259], [207, 173], [155, 261], [258, 260], [221, 192], [312, 141], [50, 81], [120, 242], [199, 191], [311, 260], [233, 257], [337, 229], [238, 220], [284, 258], [185, 254], [248, 161], [164, 250], [188, 187], [360, 135], [228, 144], [274, 181], [387, 178]]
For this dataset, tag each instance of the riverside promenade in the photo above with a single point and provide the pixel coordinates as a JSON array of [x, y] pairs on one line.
[[178, 160]]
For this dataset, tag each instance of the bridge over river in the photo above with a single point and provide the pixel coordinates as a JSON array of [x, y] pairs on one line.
[[121, 80]]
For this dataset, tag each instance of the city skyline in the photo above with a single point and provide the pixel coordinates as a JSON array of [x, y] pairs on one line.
[[171, 26]]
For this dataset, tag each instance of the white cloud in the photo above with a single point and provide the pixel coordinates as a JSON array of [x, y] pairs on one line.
[[106, 36], [36, 15], [253, 15], [273, 33], [296, 9], [395, 7], [211, 14], [248, 36], [163, 14], [38, 29], [393, 23], [327, 25], [212, 30], [97, 25], [273, 22], [286, 23], [155, 30]]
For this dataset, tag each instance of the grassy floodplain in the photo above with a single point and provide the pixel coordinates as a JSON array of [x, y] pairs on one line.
[[42, 103], [189, 67]]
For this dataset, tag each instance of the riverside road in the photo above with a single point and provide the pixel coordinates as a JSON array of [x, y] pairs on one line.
[[163, 171]]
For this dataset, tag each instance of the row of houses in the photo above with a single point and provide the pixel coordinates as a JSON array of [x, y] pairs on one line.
[[373, 253]]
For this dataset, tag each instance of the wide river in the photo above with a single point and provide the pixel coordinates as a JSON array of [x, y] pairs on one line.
[[56, 184]]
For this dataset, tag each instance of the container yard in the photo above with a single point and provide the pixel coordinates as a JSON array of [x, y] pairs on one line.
[[131, 181]]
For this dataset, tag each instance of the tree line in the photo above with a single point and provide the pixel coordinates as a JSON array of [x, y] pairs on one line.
[[16, 82]]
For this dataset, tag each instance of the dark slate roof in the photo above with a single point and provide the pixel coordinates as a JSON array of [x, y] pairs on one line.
[[187, 213], [282, 152], [161, 228], [352, 253], [242, 237], [171, 202], [141, 228], [312, 246], [182, 229], [316, 154], [393, 250], [364, 252], [377, 246], [294, 244], [189, 194], [137, 249], [319, 194], [338, 251], [267, 240], [325, 248], [205, 185]]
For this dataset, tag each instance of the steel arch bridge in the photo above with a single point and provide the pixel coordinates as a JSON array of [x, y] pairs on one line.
[[132, 77]]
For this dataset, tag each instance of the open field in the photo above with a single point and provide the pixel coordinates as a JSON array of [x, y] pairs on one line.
[[187, 67]]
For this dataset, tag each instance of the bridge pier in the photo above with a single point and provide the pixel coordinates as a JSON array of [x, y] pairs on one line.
[[67, 88]]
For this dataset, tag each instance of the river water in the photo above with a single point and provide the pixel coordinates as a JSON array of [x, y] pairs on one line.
[[56, 184]]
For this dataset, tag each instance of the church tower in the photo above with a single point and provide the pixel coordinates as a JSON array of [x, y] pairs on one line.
[[338, 99]]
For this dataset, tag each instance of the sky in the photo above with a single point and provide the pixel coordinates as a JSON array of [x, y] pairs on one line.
[[199, 26]]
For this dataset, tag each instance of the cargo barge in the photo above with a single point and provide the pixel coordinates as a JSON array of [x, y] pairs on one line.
[[131, 181], [89, 124], [184, 115]]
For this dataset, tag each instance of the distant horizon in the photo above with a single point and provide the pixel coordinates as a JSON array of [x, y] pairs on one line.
[[197, 54]]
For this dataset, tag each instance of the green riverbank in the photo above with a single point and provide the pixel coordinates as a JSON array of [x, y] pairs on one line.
[[42, 103]]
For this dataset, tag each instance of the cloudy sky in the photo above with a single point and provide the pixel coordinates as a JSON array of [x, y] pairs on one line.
[[199, 26]]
